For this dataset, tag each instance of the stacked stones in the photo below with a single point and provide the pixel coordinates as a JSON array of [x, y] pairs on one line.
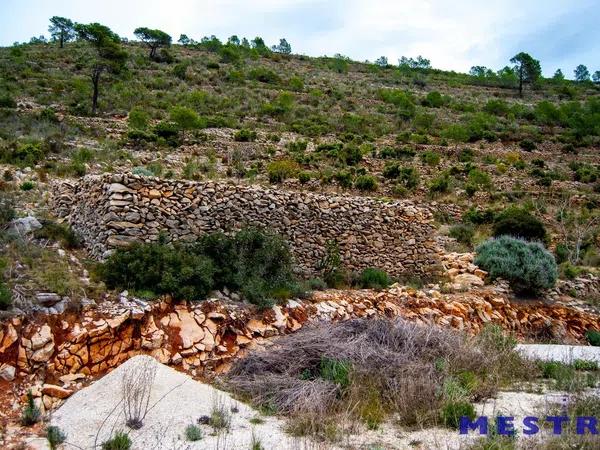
[[111, 211]]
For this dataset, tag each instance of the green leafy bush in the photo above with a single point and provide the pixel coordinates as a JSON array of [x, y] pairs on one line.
[[440, 184], [5, 297], [120, 441], [263, 75], [6, 101], [366, 183], [454, 410], [278, 171], [527, 145], [463, 233], [593, 337], [59, 232], [518, 222], [256, 263], [373, 278], [245, 135], [193, 433], [430, 158], [160, 268], [55, 436], [31, 413], [527, 266], [336, 371]]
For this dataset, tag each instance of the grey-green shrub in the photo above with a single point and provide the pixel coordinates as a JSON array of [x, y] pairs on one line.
[[527, 266]]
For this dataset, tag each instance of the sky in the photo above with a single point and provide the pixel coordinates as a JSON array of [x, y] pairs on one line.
[[453, 34]]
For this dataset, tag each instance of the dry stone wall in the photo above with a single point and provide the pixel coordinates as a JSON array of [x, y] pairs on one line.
[[111, 211]]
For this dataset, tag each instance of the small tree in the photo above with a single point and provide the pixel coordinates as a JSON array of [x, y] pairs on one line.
[[558, 75], [185, 40], [527, 69], [61, 29], [582, 73], [382, 61], [185, 118], [283, 47], [110, 57], [596, 76], [154, 39]]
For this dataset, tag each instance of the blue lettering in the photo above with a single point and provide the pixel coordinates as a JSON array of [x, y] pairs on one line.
[[587, 422], [505, 426], [530, 424], [466, 425], [558, 423]]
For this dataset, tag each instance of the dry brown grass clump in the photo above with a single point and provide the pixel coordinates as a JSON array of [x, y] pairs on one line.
[[365, 370]]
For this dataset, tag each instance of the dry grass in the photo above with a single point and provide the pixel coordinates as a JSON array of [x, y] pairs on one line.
[[365, 370]]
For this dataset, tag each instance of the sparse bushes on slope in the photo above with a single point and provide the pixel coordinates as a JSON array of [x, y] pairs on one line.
[[527, 266], [520, 223], [373, 278]]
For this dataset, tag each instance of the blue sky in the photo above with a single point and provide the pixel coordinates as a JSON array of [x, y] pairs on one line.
[[454, 34]]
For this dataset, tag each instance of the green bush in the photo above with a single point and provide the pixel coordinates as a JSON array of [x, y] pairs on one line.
[[593, 337], [527, 145], [31, 414], [7, 211], [366, 183], [454, 410], [520, 223], [55, 436], [527, 266], [6, 101], [120, 441], [430, 158], [263, 75], [245, 135], [279, 171], [5, 297], [463, 233], [434, 100], [336, 371], [169, 131], [28, 154], [160, 268], [138, 119], [193, 433], [27, 185], [440, 184], [373, 278]]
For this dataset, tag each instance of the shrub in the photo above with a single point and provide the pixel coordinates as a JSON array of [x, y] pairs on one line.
[[55, 437], [6, 101], [168, 131], [466, 155], [527, 145], [278, 171], [463, 233], [440, 184], [527, 266], [245, 135], [27, 185], [160, 268], [593, 337], [120, 441], [372, 278], [7, 211], [520, 223], [344, 178], [350, 155], [28, 154], [336, 371], [5, 297], [431, 158], [263, 75], [434, 100], [31, 413], [454, 410], [138, 119], [193, 433], [304, 177], [366, 183]]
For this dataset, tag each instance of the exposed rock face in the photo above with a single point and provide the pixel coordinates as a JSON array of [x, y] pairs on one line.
[[111, 211], [203, 337]]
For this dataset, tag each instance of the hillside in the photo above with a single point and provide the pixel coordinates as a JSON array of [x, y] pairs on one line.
[[221, 197]]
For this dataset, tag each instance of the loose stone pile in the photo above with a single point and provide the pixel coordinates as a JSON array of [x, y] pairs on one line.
[[111, 211]]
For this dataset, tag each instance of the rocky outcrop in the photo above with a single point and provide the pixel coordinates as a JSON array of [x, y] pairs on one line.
[[204, 337], [111, 211]]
